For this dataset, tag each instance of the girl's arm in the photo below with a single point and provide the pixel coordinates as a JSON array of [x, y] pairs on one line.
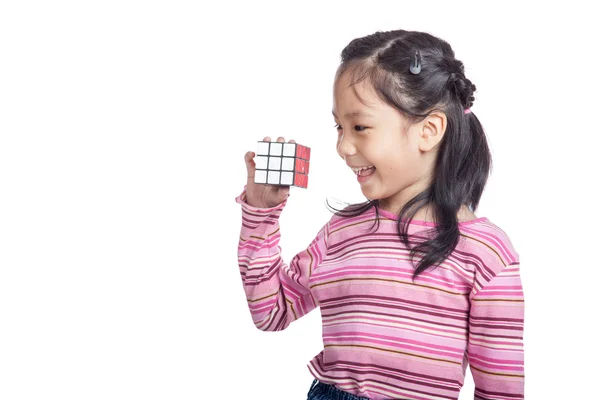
[[277, 293], [495, 348]]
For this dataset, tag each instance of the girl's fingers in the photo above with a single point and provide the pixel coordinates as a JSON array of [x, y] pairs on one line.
[[279, 139]]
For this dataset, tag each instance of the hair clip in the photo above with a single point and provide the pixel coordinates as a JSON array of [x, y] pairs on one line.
[[415, 62]]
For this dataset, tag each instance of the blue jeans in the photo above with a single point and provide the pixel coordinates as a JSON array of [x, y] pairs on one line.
[[323, 391]]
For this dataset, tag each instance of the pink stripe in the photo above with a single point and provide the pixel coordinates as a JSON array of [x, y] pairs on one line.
[[393, 345], [343, 321]]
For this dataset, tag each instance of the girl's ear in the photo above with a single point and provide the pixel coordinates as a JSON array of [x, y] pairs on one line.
[[432, 130]]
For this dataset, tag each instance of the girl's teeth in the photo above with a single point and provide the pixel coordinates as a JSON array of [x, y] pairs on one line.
[[362, 172]]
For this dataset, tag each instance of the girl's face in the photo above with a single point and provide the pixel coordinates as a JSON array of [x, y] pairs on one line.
[[373, 135]]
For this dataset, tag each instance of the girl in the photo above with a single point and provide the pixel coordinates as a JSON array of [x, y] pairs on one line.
[[393, 328]]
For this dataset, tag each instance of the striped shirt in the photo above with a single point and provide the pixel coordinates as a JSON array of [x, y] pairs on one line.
[[385, 336]]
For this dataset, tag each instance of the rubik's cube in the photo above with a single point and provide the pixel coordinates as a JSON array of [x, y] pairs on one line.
[[282, 164]]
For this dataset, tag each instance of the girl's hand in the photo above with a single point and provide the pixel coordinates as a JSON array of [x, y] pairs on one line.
[[261, 195]]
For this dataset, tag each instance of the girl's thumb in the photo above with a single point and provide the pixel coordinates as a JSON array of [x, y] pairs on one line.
[[250, 165]]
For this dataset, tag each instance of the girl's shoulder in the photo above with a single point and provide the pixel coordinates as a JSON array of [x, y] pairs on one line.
[[485, 239]]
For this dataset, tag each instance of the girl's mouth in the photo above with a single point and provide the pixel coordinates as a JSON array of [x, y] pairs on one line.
[[365, 174]]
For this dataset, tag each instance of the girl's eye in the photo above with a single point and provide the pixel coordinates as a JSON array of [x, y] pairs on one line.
[[338, 127]]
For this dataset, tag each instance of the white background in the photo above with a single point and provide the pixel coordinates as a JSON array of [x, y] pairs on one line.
[[123, 128]]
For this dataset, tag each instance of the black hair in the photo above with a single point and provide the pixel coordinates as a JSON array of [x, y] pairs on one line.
[[463, 161]]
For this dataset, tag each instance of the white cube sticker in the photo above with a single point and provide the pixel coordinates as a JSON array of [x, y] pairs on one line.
[[276, 149], [287, 178], [275, 163], [289, 149], [273, 178], [260, 176], [262, 149], [287, 164], [261, 162]]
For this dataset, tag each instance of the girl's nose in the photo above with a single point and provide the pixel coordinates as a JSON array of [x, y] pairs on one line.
[[345, 148]]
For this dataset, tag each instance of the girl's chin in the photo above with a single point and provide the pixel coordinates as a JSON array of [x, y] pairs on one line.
[[370, 190]]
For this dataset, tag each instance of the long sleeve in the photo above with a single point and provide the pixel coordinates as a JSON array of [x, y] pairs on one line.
[[277, 293], [495, 349]]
